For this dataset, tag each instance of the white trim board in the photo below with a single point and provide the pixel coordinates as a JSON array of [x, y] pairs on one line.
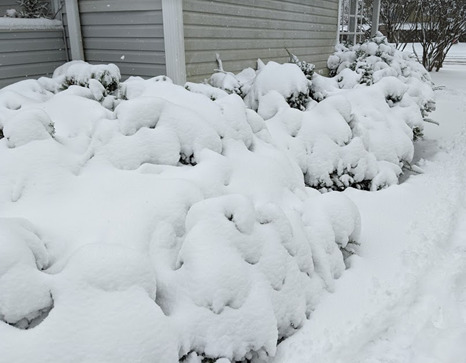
[[375, 17], [74, 29], [173, 34]]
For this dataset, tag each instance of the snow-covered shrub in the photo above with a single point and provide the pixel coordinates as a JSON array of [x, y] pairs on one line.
[[233, 83], [175, 226], [343, 141], [102, 80], [25, 297], [268, 280], [332, 150], [27, 126], [176, 141], [286, 79], [11, 13], [213, 93], [33, 8], [374, 59], [380, 99], [306, 67], [227, 81]]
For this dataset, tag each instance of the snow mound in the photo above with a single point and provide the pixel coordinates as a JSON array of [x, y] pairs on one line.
[[173, 225], [265, 284], [24, 290], [27, 126], [286, 79], [109, 268]]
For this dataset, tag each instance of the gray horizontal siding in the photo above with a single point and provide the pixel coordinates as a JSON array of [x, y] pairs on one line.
[[30, 54], [126, 33], [243, 30], [8, 4]]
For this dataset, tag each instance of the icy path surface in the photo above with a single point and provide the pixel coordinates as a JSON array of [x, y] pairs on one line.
[[404, 298]]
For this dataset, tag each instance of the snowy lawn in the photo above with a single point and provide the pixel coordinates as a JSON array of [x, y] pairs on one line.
[[404, 298]]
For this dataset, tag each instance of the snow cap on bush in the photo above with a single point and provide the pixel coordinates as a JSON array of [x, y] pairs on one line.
[[81, 73], [28, 125], [286, 79]]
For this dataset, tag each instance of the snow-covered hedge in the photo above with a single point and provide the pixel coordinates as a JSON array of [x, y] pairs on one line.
[[145, 222], [355, 128], [375, 59]]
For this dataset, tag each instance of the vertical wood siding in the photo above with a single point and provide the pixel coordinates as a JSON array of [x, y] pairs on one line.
[[30, 53], [243, 30], [126, 33]]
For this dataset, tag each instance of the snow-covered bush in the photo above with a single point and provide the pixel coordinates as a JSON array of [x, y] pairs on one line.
[[306, 67], [27, 126], [287, 79], [375, 59], [102, 80], [11, 13], [357, 127], [344, 141], [25, 297], [33, 8], [173, 226], [266, 283]]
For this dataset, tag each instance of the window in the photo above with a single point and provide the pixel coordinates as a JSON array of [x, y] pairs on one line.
[[351, 27]]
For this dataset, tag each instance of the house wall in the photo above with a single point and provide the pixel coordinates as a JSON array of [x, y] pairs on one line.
[[8, 4], [243, 30], [30, 53], [126, 33]]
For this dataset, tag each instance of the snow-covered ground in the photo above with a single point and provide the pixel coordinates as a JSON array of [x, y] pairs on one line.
[[404, 298]]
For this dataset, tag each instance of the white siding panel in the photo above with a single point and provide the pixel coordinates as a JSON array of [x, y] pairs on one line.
[[126, 33], [243, 30], [29, 54]]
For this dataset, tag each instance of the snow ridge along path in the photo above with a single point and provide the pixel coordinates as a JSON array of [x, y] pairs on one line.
[[404, 298]]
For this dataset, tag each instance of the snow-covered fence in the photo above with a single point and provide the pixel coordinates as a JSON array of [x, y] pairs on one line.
[[30, 48]]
